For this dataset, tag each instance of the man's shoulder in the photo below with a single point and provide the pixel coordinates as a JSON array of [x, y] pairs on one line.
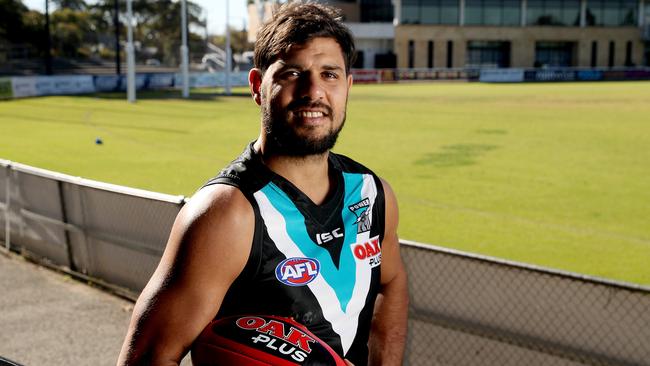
[[348, 165], [218, 199], [245, 172]]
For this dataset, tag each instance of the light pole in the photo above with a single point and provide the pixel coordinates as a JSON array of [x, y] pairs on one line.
[[48, 41], [116, 25], [228, 50], [184, 51], [130, 56]]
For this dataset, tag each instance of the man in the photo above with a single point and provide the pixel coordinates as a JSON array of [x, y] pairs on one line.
[[289, 228]]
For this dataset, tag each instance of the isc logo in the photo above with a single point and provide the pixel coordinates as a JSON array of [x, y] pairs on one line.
[[297, 271], [325, 237]]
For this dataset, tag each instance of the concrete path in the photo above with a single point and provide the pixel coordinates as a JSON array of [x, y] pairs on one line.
[[47, 318], [50, 319]]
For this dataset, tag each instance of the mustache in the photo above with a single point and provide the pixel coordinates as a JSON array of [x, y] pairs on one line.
[[302, 104]]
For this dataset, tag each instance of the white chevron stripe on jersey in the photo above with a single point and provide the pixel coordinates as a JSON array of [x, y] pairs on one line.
[[344, 323]]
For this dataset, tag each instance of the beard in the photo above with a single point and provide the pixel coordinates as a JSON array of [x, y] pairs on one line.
[[283, 139]]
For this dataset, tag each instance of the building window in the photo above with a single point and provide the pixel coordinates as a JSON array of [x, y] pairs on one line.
[[492, 12], [594, 53], [610, 59], [554, 54], [386, 60], [430, 11], [450, 54], [488, 54], [376, 11], [358, 60], [430, 54], [612, 12], [410, 12], [411, 54], [628, 54], [553, 12]]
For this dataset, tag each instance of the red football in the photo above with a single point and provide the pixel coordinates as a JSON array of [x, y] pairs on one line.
[[260, 340]]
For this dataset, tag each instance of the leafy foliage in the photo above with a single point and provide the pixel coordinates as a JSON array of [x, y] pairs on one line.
[[79, 29]]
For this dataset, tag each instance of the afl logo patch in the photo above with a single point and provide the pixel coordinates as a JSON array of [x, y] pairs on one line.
[[297, 271]]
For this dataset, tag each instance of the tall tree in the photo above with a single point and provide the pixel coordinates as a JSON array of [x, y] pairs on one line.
[[158, 26], [11, 20], [71, 33], [78, 5]]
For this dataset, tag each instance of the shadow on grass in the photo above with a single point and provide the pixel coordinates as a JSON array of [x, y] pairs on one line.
[[456, 155]]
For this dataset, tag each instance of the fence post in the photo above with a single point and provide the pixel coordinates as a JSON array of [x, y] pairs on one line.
[[7, 205], [66, 232]]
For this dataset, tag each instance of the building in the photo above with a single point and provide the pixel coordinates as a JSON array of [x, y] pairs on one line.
[[370, 21], [522, 33], [493, 33]]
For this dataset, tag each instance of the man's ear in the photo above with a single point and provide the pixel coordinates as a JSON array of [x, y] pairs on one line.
[[255, 84], [350, 81]]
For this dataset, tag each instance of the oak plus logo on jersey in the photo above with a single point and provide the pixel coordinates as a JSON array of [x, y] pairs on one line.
[[297, 271], [274, 334], [362, 210], [369, 251]]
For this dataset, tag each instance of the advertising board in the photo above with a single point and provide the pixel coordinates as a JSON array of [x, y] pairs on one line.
[[160, 81], [589, 75], [501, 76], [106, 83], [555, 75], [64, 84], [366, 76], [23, 86]]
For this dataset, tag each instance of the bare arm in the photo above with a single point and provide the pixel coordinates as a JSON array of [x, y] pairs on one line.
[[388, 333], [207, 249]]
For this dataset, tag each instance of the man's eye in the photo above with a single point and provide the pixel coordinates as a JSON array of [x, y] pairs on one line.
[[290, 74], [330, 75]]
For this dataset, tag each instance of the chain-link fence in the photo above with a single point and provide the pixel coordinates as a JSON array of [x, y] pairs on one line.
[[471, 310], [465, 309]]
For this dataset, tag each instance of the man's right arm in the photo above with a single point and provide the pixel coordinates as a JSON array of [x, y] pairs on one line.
[[207, 249]]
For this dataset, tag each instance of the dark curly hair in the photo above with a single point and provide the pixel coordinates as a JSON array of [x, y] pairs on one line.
[[296, 23]]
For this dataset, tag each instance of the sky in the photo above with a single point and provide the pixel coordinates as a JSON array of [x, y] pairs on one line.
[[214, 9]]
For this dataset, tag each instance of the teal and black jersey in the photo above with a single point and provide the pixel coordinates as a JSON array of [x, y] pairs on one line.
[[319, 264]]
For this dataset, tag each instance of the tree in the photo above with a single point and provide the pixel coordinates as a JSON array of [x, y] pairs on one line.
[[159, 27], [21, 28], [70, 33], [238, 40], [11, 20], [78, 5], [157, 32]]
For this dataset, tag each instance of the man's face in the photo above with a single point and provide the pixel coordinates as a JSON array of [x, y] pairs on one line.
[[303, 95]]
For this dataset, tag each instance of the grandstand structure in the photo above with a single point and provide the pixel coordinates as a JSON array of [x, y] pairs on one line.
[[496, 33]]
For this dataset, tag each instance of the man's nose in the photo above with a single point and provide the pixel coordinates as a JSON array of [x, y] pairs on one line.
[[311, 87]]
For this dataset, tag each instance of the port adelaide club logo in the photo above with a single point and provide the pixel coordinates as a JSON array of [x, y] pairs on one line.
[[297, 271], [362, 210]]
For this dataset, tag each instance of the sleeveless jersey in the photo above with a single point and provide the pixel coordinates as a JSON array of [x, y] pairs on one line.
[[319, 264]]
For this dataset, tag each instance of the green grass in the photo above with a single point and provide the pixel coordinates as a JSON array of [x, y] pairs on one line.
[[550, 174]]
